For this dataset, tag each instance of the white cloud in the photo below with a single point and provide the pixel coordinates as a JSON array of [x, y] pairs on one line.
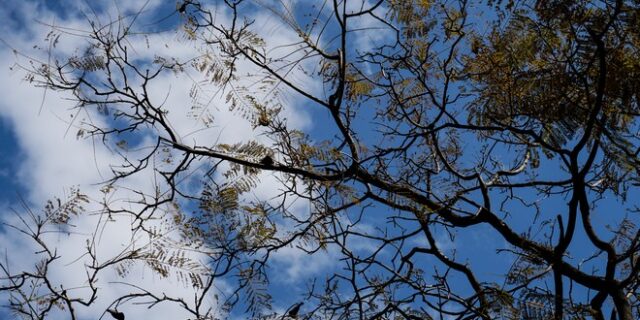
[[293, 266]]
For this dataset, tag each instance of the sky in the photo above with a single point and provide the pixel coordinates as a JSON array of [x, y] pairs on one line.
[[43, 157]]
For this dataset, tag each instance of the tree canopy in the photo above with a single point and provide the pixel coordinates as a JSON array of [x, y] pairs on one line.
[[465, 159]]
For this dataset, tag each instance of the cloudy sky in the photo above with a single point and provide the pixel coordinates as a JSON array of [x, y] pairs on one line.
[[42, 156]]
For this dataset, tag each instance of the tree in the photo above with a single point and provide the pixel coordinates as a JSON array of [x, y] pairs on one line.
[[516, 121]]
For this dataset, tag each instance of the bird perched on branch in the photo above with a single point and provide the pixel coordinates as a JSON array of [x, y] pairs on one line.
[[293, 312], [183, 7], [116, 314], [267, 161]]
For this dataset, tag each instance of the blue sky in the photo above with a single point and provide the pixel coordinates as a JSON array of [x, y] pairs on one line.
[[9, 162], [40, 156]]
